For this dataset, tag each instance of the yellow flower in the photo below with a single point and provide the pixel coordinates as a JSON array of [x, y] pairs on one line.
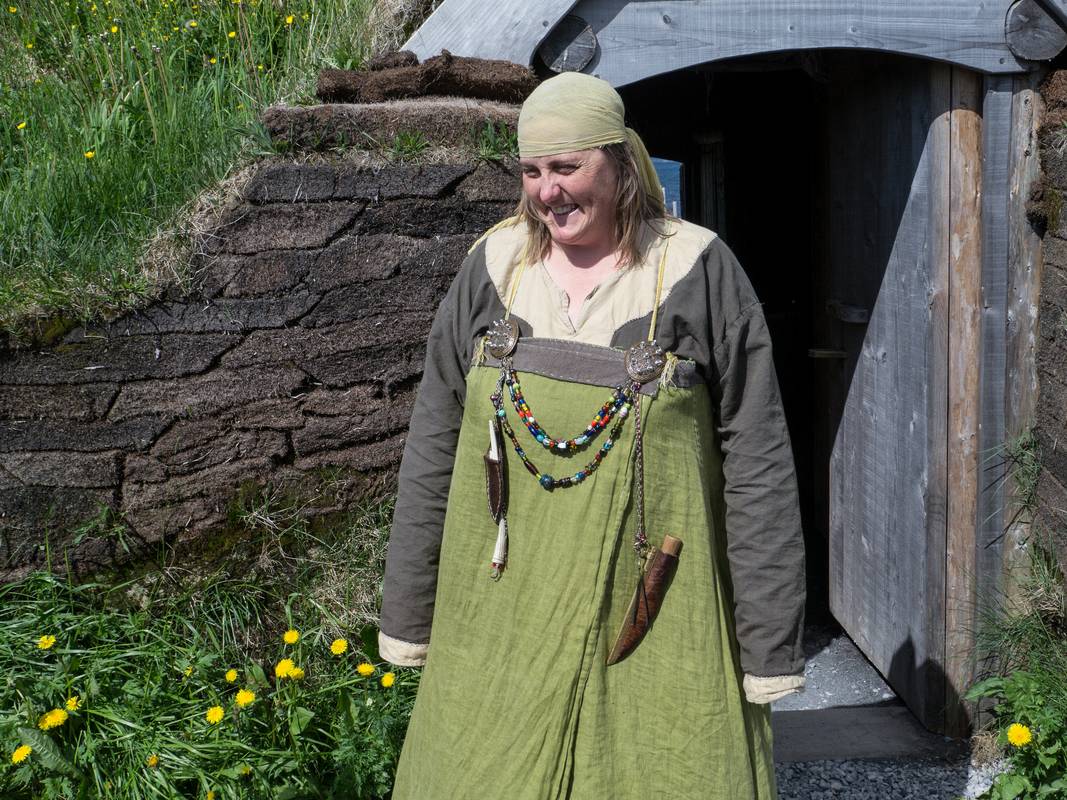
[[114, 28], [296, 674], [192, 23], [259, 67], [365, 669], [13, 10], [19, 127], [29, 45], [283, 668], [245, 698], [1019, 735], [387, 679], [231, 675], [292, 636], [289, 20], [52, 719], [338, 647], [232, 35], [73, 703], [188, 671], [210, 794], [211, 60], [22, 752], [152, 761], [47, 641], [245, 770], [90, 154], [214, 715]]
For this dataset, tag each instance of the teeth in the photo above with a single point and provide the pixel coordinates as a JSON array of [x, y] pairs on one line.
[[564, 209]]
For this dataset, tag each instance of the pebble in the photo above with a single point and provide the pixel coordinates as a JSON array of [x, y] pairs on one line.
[[879, 779]]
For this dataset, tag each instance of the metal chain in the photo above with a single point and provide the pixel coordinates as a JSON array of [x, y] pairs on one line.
[[640, 538]]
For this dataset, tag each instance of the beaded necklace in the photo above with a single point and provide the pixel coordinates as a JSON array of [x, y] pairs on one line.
[[644, 363]]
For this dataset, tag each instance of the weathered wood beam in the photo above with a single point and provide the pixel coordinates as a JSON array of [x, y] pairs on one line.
[[507, 29], [1033, 33]]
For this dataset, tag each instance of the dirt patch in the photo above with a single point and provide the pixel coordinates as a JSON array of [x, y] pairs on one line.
[[443, 75]]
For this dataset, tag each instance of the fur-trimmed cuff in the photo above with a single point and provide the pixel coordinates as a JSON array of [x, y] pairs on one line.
[[403, 654], [764, 690]]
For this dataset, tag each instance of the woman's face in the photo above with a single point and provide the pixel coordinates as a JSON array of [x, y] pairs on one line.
[[574, 195]]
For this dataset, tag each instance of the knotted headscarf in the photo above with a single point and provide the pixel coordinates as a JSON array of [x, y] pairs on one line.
[[574, 111]]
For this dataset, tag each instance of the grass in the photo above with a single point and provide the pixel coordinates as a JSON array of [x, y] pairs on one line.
[[115, 114], [142, 663], [496, 142]]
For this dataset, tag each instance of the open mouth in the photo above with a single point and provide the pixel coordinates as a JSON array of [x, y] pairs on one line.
[[560, 213]]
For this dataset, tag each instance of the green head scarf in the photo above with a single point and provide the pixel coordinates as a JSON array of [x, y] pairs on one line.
[[574, 111]]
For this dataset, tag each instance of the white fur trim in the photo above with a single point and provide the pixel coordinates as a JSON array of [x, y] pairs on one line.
[[403, 654], [764, 690]]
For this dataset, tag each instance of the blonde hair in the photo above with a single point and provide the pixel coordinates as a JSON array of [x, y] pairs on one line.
[[634, 207]]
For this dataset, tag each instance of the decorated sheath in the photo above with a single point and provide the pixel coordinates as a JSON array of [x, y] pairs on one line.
[[648, 597]]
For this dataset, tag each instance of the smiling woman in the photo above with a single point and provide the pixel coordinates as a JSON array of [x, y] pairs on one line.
[[548, 592]]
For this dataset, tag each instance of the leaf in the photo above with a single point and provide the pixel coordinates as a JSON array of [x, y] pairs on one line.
[[258, 675], [369, 638], [1011, 786], [45, 751], [990, 687], [300, 719]]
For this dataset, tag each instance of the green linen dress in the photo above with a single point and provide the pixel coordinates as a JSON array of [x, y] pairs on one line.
[[516, 699]]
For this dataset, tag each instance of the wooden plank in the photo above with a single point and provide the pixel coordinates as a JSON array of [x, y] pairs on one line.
[[941, 159], [505, 29], [996, 159], [1032, 33], [965, 273], [1025, 263], [881, 473], [640, 39]]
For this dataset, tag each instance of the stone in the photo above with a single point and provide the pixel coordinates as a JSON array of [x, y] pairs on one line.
[[253, 229], [119, 358], [60, 469], [136, 433], [395, 182], [223, 388], [291, 183], [82, 403]]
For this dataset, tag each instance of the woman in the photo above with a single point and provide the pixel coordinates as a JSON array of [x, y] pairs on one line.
[[518, 699]]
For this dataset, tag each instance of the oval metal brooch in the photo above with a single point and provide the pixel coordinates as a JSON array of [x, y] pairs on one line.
[[502, 337], [645, 361]]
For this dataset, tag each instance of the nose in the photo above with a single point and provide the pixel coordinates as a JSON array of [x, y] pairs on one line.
[[548, 191]]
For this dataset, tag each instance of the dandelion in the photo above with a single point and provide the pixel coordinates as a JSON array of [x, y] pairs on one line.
[[296, 674], [189, 669], [231, 35], [214, 715], [22, 752], [73, 703], [152, 761], [92, 154], [245, 770], [210, 794], [283, 668], [365, 669], [13, 9], [52, 719], [47, 641], [191, 23], [114, 28], [339, 646], [231, 675], [388, 679], [1019, 735], [291, 636], [212, 60], [29, 45], [305, 16], [245, 698], [19, 127], [259, 67], [289, 20]]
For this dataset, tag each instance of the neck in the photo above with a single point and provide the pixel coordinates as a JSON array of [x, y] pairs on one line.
[[584, 256]]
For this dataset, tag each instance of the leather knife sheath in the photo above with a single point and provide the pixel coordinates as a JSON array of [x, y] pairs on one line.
[[495, 479], [648, 597]]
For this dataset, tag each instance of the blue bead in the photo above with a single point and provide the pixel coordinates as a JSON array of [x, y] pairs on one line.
[[500, 412], [546, 481], [608, 444]]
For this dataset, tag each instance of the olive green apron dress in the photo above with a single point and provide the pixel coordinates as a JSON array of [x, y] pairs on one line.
[[516, 700]]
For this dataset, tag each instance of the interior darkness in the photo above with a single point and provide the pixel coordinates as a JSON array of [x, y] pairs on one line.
[[767, 116]]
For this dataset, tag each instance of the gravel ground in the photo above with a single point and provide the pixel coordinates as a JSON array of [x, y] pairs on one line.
[[884, 779]]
